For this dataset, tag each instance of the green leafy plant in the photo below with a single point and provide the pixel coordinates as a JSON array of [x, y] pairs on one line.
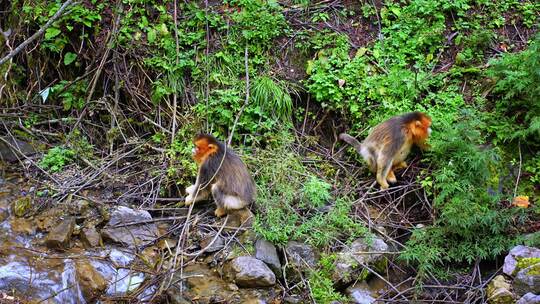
[[56, 158], [321, 283], [470, 222], [316, 192]]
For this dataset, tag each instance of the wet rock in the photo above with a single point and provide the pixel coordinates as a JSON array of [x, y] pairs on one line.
[[292, 299], [4, 214], [59, 236], [301, 254], [47, 220], [12, 151], [528, 280], [90, 237], [266, 252], [529, 298], [91, 282], [206, 285], [22, 225], [361, 293], [517, 253], [175, 296], [130, 227], [498, 291], [217, 245], [247, 271], [350, 260]]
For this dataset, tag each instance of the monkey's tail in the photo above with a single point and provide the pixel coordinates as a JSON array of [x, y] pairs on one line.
[[351, 141]]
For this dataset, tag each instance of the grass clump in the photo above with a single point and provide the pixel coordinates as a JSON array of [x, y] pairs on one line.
[[285, 214]]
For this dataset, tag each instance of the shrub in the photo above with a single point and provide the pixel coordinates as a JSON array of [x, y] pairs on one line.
[[470, 222]]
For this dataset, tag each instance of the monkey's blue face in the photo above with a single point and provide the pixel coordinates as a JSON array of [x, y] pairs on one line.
[[194, 150], [429, 131]]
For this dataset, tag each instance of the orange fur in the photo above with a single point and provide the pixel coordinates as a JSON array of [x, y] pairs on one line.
[[203, 150]]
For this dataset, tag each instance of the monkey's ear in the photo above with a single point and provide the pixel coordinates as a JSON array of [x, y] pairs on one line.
[[212, 147]]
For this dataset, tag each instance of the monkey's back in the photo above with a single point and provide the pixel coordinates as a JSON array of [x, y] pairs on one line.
[[232, 174]]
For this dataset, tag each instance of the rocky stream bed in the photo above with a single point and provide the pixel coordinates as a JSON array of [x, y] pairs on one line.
[[87, 251]]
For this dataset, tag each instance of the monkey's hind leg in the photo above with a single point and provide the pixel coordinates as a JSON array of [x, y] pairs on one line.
[[401, 165], [225, 202], [383, 168], [391, 177]]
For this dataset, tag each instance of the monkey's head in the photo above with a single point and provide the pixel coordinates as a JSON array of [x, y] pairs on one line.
[[422, 127], [205, 145]]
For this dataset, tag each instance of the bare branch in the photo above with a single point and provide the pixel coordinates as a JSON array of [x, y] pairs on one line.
[[36, 34]]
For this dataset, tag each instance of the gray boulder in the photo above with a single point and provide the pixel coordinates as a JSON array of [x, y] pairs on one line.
[[350, 260], [517, 253], [130, 227], [301, 254], [529, 298], [528, 280], [266, 252], [248, 271]]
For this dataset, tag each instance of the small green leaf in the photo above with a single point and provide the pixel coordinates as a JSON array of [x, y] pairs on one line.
[[69, 57], [151, 35], [52, 32]]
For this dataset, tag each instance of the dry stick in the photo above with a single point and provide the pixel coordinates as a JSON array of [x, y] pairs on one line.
[[519, 170], [8, 69], [247, 95], [175, 95], [207, 88], [36, 34]]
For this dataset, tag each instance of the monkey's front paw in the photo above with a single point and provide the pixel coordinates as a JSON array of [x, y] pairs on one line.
[[391, 179], [219, 212], [190, 189], [384, 186]]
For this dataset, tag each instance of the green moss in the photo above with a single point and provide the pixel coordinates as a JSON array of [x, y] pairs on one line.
[[527, 262], [21, 205]]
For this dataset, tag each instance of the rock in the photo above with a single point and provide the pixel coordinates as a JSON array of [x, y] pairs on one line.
[[11, 152], [59, 236], [527, 280], [349, 260], [248, 271], [301, 254], [4, 214], [123, 227], [292, 299], [266, 252], [240, 218], [91, 282], [206, 285], [498, 291], [90, 237], [218, 244], [529, 298], [175, 296], [360, 293], [22, 225], [518, 252]]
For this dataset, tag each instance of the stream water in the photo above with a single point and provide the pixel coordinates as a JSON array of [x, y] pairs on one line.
[[30, 271]]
